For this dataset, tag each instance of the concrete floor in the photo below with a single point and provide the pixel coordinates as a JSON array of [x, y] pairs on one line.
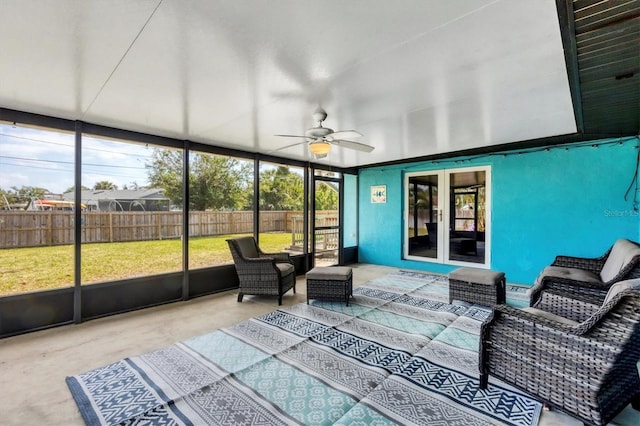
[[33, 366]]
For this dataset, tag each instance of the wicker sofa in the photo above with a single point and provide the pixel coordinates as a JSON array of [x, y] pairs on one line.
[[587, 368], [261, 273], [589, 276]]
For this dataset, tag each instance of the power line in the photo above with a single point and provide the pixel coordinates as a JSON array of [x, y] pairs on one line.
[[69, 162], [69, 171], [71, 145]]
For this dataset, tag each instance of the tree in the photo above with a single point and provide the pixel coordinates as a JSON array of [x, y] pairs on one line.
[[25, 193], [326, 197], [281, 189], [20, 195], [215, 182], [7, 199], [104, 185], [73, 188], [164, 170]]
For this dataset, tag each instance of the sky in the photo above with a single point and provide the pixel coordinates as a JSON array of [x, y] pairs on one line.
[[43, 158]]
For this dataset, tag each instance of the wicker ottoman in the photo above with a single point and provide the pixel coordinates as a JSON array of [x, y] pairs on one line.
[[481, 286], [333, 283]]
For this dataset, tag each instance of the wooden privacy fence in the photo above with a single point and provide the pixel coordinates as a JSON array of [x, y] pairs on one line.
[[32, 229], [326, 239]]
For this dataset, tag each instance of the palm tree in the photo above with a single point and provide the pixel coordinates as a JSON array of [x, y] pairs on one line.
[[105, 185], [419, 199]]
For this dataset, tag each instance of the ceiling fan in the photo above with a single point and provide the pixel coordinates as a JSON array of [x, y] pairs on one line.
[[320, 139]]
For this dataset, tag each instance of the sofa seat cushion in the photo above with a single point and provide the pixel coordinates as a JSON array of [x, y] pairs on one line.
[[622, 252], [573, 274]]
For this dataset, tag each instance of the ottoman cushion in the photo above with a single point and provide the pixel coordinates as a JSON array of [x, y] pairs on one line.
[[475, 275], [330, 273]]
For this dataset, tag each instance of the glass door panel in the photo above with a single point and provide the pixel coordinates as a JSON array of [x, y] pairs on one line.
[[326, 223], [447, 216], [423, 216], [467, 216]]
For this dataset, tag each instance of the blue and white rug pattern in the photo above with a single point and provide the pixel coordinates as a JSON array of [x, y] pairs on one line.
[[398, 354]]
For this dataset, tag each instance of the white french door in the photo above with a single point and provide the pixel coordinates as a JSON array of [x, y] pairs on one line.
[[447, 216]]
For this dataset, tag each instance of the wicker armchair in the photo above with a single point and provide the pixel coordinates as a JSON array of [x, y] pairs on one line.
[[587, 369], [261, 273], [593, 276]]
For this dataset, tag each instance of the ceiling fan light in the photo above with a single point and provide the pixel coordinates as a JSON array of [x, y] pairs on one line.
[[320, 148]]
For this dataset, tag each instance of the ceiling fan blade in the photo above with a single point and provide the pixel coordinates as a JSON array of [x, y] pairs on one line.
[[292, 145], [292, 136], [353, 145], [344, 134]]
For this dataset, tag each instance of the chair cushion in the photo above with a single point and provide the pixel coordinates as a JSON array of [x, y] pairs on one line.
[[621, 286], [247, 247], [285, 268], [622, 252], [550, 316], [570, 273]]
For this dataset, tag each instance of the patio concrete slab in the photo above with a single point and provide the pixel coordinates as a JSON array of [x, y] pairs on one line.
[[33, 366]]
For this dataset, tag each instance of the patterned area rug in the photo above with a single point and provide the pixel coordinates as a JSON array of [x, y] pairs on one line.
[[398, 354]]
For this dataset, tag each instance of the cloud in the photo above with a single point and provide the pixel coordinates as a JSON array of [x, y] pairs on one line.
[[45, 159]]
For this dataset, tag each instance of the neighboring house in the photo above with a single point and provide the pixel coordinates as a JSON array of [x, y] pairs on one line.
[[108, 200], [51, 205]]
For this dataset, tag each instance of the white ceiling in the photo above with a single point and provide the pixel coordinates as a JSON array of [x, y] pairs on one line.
[[415, 77]]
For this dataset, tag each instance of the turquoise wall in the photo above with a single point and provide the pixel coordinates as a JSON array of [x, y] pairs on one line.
[[350, 213], [564, 200]]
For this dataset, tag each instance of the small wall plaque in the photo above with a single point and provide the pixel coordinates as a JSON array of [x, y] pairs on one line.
[[379, 193]]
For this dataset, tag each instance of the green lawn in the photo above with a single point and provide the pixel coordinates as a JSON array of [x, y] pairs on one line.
[[41, 268]]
